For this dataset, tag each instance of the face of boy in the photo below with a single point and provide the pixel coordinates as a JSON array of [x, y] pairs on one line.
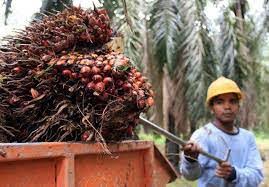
[[225, 107]]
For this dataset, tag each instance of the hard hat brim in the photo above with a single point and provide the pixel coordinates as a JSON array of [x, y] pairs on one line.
[[239, 94]]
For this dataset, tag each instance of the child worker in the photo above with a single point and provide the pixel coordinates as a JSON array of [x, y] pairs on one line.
[[244, 165]]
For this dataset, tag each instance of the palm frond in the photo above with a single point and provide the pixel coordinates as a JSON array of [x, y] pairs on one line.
[[199, 58], [133, 38], [241, 37], [235, 60], [111, 6], [166, 26]]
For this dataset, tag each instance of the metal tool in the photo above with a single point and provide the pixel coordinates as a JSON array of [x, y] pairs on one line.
[[175, 139]]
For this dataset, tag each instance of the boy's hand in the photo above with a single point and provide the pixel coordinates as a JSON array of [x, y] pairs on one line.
[[191, 149], [226, 171]]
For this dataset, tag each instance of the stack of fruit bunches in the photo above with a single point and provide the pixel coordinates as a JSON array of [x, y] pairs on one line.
[[59, 83]]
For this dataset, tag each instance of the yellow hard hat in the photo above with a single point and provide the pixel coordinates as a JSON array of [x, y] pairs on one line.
[[221, 86]]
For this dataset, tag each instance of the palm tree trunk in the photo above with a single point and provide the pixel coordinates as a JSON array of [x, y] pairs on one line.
[[172, 149], [155, 76], [176, 119], [7, 9]]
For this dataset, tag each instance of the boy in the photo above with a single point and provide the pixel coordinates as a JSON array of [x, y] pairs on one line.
[[244, 165]]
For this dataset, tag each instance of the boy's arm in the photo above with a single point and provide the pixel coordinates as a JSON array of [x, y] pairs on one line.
[[251, 174], [190, 169]]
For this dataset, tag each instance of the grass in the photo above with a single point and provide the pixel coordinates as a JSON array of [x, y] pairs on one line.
[[262, 139], [157, 139], [182, 183]]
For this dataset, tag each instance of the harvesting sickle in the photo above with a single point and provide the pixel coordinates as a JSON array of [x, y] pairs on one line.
[[177, 140]]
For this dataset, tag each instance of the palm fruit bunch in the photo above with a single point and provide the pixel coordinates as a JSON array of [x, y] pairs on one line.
[[59, 83]]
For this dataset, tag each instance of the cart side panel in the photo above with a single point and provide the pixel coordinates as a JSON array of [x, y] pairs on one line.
[[28, 173], [119, 170], [160, 175], [164, 172]]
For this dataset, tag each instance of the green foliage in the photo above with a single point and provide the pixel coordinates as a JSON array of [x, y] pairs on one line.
[[241, 44], [262, 139], [157, 139], [128, 19], [183, 43], [262, 135], [200, 60], [182, 182], [235, 63], [165, 24], [111, 7]]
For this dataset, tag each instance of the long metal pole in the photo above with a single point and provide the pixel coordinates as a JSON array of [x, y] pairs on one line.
[[174, 138]]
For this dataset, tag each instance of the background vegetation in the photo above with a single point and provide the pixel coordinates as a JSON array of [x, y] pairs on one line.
[[182, 45]]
